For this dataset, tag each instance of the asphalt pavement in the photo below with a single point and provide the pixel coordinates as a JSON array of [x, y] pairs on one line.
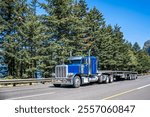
[[119, 90]]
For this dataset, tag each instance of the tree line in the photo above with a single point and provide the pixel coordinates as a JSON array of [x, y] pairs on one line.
[[34, 41]]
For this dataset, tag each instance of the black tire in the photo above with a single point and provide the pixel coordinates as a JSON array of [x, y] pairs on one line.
[[133, 77], [130, 77], [76, 82], [100, 79], [111, 79], [136, 77], [106, 79], [57, 85]]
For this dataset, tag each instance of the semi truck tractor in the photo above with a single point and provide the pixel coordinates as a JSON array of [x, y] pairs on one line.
[[82, 70]]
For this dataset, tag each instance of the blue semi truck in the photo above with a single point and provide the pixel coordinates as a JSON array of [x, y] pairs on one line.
[[82, 70]]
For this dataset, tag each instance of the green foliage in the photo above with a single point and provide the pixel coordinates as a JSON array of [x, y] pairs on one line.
[[143, 62], [39, 42], [136, 47], [147, 46], [9, 77]]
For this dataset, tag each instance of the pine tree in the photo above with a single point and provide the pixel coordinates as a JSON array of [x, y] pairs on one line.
[[59, 20], [143, 62], [35, 53], [94, 23], [80, 9], [78, 27], [105, 45], [67, 25], [136, 47], [12, 15], [119, 47], [147, 46], [39, 42]]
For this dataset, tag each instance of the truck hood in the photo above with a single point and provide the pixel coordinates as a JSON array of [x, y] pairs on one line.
[[74, 68]]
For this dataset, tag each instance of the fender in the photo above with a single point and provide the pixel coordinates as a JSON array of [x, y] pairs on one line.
[[77, 75]]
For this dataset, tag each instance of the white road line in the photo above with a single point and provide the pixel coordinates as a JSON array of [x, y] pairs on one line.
[[30, 96], [143, 86], [2, 90], [22, 90]]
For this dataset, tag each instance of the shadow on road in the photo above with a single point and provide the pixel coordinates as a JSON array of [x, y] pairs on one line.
[[84, 85]]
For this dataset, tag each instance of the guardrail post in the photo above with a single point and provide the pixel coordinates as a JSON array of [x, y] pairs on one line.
[[14, 84]]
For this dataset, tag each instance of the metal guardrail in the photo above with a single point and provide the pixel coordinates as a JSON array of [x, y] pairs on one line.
[[14, 82]]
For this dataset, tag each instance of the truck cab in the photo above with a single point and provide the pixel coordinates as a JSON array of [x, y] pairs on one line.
[[83, 65], [79, 70]]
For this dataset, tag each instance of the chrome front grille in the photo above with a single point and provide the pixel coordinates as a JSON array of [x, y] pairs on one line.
[[61, 71]]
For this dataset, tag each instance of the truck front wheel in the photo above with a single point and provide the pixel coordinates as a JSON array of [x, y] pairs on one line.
[[76, 82]]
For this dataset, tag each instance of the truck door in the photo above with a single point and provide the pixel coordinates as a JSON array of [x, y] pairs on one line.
[[85, 65], [93, 66]]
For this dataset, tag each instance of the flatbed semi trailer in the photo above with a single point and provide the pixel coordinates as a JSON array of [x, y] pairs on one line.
[[117, 75], [82, 70]]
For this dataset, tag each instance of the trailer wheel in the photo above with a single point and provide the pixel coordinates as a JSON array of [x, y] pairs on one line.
[[133, 77], [76, 82], [111, 79], [130, 77], [57, 85], [106, 79], [100, 79], [136, 77]]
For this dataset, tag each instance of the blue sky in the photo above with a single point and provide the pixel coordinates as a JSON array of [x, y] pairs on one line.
[[133, 16]]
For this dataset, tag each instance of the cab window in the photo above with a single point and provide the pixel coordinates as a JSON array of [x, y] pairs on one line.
[[84, 61]]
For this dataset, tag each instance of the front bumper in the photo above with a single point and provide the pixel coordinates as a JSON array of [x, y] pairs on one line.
[[62, 81]]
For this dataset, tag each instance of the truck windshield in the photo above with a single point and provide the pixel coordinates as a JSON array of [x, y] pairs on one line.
[[75, 62]]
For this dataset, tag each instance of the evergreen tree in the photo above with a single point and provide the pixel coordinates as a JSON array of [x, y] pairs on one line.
[[60, 20], [147, 46], [80, 9], [143, 62], [136, 47], [119, 48], [13, 13], [39, 42], [36, 48], [94, 22], [105, 48]]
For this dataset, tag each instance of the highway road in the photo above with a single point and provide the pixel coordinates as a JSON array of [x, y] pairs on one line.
[[119, 90]]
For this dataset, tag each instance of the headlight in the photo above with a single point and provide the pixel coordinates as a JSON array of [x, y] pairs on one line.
[[70, 74]]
